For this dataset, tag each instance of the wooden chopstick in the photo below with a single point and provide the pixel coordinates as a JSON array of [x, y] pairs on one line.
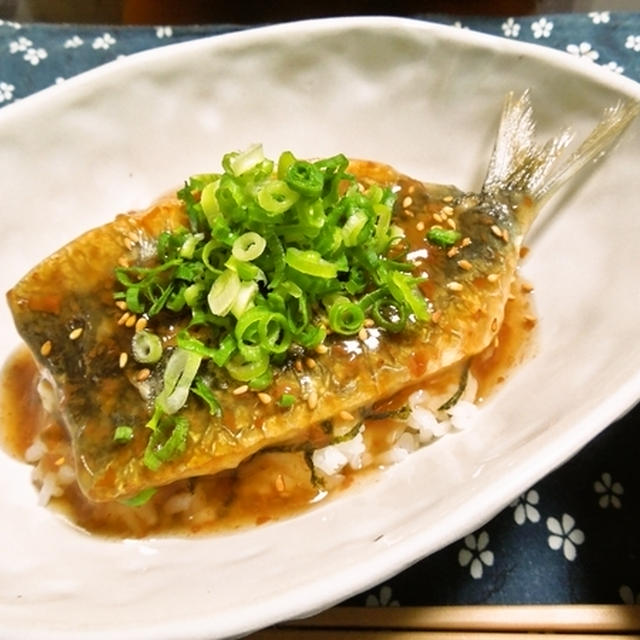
[[340, 634], [544, 618], [485, 622]]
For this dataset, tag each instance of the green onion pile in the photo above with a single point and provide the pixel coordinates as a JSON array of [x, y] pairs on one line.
[[276, 257]]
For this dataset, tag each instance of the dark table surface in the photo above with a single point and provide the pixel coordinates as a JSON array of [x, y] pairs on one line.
[[572, 538]]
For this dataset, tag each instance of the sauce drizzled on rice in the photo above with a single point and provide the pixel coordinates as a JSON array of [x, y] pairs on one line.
[[274, 483]]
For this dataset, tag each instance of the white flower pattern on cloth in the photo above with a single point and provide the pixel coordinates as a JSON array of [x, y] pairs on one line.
[[20, 45], [541, 28], [600, 17], [382, 599], [583, 51], [105, 41], [164, 32], [524, 509], [25, 46], [609, 491], [564, 535], [6, 91], [74, 42], [633, 43], [34, 56], [613, 66], [627, 596], [510, 28], [475, 554]]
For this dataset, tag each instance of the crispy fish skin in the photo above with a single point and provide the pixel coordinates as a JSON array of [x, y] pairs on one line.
[[467, 285]]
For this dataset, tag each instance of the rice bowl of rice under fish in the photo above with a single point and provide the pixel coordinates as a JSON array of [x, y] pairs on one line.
[[295, 335]]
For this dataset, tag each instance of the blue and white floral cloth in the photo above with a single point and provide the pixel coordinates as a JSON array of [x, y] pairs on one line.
[[572, 538]]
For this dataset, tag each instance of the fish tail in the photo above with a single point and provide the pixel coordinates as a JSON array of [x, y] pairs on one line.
[[519, 164]]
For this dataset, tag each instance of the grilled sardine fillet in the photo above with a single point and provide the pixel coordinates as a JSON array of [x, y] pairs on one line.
[[64, 309]]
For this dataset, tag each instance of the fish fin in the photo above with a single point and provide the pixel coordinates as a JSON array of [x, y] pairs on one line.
[[519, 164]]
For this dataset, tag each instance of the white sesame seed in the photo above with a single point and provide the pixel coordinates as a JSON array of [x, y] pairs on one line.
[[45, 349], [465, 264], [496, 230], [454, 286], [407, 202], [141, 323], [143, 374], [265, 398], [238, 391], [312, 400], [122, 361], [76, 333]]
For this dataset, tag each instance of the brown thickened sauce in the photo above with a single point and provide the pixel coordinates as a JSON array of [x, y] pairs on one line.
[[269, 486]]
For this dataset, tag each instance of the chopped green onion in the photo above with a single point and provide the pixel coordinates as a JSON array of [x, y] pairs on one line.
[[270, 259], [209, 202], [353, 226], [262, 381], [225, 350], [246, 370], [286, 400], [132, 298], [203, 391], [167, 441], [248, 246], [146, 347], [284, 162], [311, 263], [244, 299], [122, 434], [240, 163], [276, 197], [274, 332], [140, 498], [443, 237], [346, 318], [191, 241], [402, 288], [182, 368], [389, 315], [305, 178], [223, 293]]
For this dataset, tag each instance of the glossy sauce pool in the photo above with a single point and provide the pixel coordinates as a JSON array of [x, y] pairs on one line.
[[269, 486]]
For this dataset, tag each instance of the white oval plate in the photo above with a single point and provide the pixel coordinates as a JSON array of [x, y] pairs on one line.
[[422, 97]]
